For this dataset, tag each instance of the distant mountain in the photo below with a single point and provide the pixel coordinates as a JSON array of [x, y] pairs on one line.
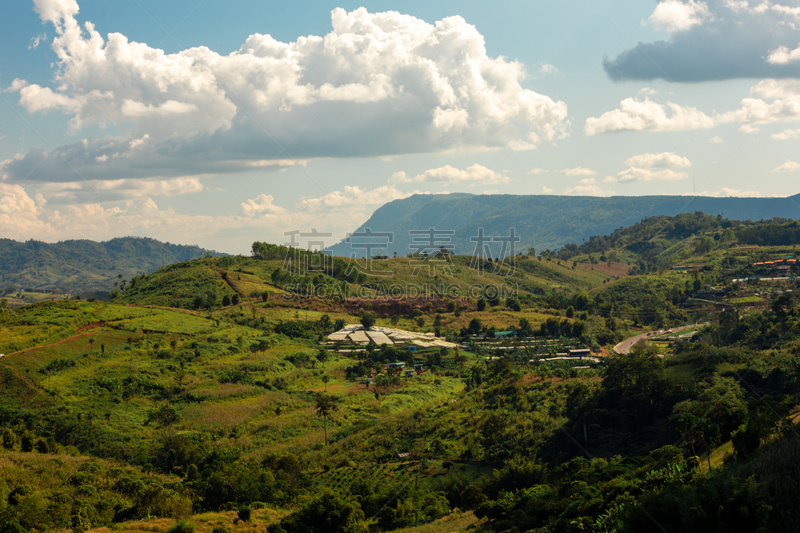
[[543, 221], [85, 266]]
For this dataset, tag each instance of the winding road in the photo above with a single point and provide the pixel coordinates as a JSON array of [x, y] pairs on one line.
[[625, 346]]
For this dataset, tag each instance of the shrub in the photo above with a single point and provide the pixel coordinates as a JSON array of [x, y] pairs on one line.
[[182, 527], [244, 513]]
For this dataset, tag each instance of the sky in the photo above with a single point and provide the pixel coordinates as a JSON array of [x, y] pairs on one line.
[[202, 122]]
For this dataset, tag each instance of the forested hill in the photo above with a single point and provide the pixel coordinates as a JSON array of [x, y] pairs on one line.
[[83, 265], [663, 241], [547, 221]]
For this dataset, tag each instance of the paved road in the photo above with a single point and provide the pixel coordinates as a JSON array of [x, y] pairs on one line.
[[625, 346]]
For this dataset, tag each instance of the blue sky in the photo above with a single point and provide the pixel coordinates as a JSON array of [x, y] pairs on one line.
[[211, 124]]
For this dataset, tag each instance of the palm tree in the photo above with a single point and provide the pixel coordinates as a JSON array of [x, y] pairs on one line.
[[91, 342], [325, 380], [325, 406]]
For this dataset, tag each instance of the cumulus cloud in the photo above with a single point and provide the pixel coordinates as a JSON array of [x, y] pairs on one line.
[[578, 171], [637, 115], [716, 140], [653, 167], [715, 40], [789, 166], [547, 190], [355, 197], [648, 174], [536, 171], [22, 218], [587, 181], [662, 160], [675, 16], [783, 55], [379, 84], [587, 190], [448, 174], [263, 203], [15, 86], [770, 101], [786, 135]]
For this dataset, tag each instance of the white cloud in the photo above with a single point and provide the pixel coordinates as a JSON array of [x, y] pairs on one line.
[[662, 160], [578, 171], [491, 191], [449, 174], [726, 192], [789, 166], [340, 95], [354, 197], [15, 86], [22, 218], [646, 174], [36, 41], [770, 101], [587, 181], [652, 167], [716, 140], [547, 190], [610, 179], [588, 190], [647, 91], [637, 115], [84, 192], [786, 135], [536, 171], [675, 16], [18, 213], [783, 55], [547, 68], [263, 203]]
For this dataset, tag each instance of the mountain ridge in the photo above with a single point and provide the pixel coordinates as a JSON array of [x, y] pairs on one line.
[[544, 221]]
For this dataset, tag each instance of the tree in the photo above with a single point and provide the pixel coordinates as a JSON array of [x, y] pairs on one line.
[[322, 356], [173, 343], [328, 513], [481, 304], [91, 342], [164, 416], [265, 296], [226, 301], [9, 439], [325, 380], [475, 326], [395, 319], [420, 322], [180, 375], [325, 407], [367, 320]]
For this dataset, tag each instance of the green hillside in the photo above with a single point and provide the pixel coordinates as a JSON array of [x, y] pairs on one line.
[[204, 398], [84, 266]]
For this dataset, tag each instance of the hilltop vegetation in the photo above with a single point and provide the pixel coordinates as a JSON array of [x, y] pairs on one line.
[[661, 242], [200, 398]]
